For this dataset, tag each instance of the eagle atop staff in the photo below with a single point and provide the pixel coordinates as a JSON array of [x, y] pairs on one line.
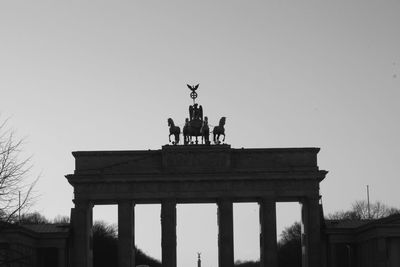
[[193, 94], [195, 111], [193, 87]]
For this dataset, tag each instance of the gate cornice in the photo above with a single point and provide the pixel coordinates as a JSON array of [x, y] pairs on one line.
[[195, 159], [75, 179]]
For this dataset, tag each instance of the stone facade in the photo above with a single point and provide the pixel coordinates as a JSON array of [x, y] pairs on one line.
[[36, 245], [374, 243]]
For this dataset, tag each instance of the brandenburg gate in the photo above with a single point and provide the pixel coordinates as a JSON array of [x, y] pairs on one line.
[[195, 173]]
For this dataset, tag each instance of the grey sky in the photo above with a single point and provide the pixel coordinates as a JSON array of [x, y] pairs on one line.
[[106, 75]]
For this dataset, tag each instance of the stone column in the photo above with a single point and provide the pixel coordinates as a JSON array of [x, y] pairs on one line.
[[350, 250], [382, 252], [82, 221], [332, 255], [126, 234], [225, 233], [268, 244], [311, 232], [168, 233], [61, 257]]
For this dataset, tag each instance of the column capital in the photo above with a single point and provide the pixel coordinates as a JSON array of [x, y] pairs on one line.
[[83, 203], [310, 199], [267, 199], [224, 200], [169, 200], [126, 201]]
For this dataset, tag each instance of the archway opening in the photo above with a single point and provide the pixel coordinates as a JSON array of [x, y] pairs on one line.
[[148, 233], [288, 221], [197, 232], [246, 229], [105, 235]]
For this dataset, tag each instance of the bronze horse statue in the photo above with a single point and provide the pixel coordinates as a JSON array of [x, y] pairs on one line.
[[173, 130], [219, 130], [205, 132]]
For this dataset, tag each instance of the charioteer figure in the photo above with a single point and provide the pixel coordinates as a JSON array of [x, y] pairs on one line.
[[196, 112]]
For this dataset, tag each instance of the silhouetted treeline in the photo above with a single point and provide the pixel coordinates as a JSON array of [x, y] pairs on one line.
[[289, 246], [360, 210], [105, 248], [289, 249], [247, 264]]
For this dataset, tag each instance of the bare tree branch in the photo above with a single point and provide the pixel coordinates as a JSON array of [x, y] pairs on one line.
[[359, 211], [15, 190]]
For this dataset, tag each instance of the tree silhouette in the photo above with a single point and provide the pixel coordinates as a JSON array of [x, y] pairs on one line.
[[105, 248], [289, 246], [105, 245], [247, 264], [15, 192], [33, 218], [359, 211]]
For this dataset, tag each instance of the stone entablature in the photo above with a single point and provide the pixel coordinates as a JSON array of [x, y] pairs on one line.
[[196, 174]]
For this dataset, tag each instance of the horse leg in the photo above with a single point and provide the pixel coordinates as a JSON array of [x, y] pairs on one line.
[[223, 140], [169, 137]]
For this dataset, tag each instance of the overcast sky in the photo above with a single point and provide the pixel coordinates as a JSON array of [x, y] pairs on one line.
[[106, 75]]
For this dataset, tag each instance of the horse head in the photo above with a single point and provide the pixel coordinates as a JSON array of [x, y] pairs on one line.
[[222, 121], [170, 122]]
